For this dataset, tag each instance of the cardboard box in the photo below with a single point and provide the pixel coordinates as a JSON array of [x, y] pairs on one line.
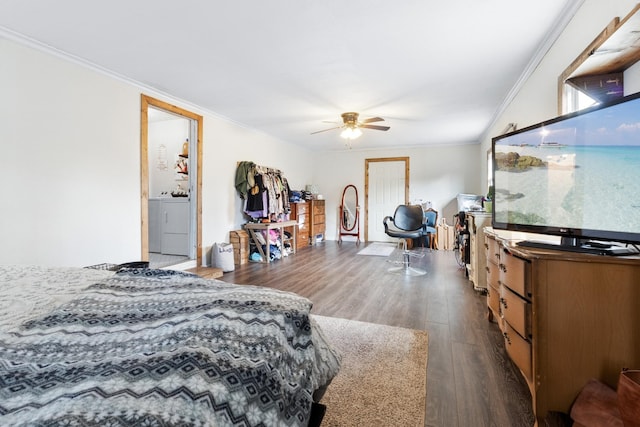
[[240, 241]]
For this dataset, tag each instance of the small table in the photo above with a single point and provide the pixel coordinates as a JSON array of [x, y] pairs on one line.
[[254, 227]]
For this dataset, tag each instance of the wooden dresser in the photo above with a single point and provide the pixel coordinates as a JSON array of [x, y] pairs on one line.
[[565, 317], [317, 227], [476, 221], [300, 214]]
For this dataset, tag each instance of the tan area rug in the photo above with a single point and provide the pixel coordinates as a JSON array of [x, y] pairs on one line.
[[383, 378], [378, 249]]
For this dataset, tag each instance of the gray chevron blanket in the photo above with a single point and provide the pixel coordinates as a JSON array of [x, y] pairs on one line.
[[156, 348]]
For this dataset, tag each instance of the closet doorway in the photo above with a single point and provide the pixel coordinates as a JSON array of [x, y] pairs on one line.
[[171, 183]]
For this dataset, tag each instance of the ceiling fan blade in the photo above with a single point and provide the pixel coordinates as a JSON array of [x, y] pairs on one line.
[[373, 119], [376, 127], [324, 130]]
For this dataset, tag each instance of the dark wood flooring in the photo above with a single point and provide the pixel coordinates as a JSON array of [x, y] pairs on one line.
[[470, 379]]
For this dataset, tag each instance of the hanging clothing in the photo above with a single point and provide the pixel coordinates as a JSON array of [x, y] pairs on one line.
[[265, 191], [286, 191], [244, 178], [257, 202]]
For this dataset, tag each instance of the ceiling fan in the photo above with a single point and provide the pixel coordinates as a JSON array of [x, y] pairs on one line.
[[351, 126]]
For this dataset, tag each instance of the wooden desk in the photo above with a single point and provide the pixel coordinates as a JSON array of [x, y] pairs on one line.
[[254, 227]]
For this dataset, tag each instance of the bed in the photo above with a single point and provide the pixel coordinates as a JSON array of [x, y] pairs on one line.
[[155, 348]]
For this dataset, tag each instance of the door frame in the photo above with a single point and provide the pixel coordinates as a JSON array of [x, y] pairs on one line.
[[145, 102], [366, 186]]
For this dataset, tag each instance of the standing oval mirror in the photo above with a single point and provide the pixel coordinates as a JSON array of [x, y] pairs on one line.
[[350, 213]]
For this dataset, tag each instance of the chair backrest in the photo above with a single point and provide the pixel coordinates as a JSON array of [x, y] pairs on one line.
[[431, 217], [408, 217]]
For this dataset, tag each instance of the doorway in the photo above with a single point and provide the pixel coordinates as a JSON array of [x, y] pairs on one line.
[[186, 200], [386, 186]]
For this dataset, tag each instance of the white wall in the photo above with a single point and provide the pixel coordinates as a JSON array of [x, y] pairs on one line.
[[70, 144], [226, 144], [70, 141], [437, 174], [538, 99], [70, 136]]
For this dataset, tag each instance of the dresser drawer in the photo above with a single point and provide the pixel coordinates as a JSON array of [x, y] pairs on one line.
[[493, 300], [493, 275], [301, 208], [472, 245], [515, 273], [318, 208], [302, 239], [318, 218], [516, 311], [519, 350], [493, 250]]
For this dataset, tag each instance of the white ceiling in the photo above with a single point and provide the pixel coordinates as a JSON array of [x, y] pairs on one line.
[[437, 71]]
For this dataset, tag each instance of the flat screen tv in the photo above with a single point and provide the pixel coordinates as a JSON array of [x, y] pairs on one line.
[[576, 176]]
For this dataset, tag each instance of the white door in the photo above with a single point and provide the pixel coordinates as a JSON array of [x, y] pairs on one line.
[[387, 189]]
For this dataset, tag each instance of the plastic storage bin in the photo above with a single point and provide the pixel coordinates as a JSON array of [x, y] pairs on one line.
[[469, 202]]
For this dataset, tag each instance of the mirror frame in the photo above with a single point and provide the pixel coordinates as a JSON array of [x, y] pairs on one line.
[[354, 230], [612, 38], [356, 207]]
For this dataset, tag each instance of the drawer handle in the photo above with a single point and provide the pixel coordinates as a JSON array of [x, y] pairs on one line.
[[506, 338], [503, 302], [488, 269], [486, 246], [503, 267]]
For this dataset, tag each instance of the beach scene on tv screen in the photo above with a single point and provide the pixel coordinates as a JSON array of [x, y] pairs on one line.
[[578, 173]]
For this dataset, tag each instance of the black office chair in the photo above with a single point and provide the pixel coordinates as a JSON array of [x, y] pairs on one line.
[[406, 223]]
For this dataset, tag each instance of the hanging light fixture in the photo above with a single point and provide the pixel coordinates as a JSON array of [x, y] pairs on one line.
[[351, 132], [351, 127]]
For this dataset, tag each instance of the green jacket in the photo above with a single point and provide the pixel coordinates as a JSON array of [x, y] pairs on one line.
[[244, 178]]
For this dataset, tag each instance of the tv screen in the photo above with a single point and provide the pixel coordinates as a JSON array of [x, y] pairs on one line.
[[575, 176]]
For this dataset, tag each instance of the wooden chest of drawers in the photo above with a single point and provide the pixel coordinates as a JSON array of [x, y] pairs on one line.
[[493, 280], [300, 214], [565, 317], [476, 221], [317, 227], [510, 278]]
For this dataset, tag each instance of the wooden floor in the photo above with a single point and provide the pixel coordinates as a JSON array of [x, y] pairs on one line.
[[470, 380]]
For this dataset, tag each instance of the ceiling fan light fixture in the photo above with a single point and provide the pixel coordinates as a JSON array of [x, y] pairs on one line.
[[351, 133], [351, 126]]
